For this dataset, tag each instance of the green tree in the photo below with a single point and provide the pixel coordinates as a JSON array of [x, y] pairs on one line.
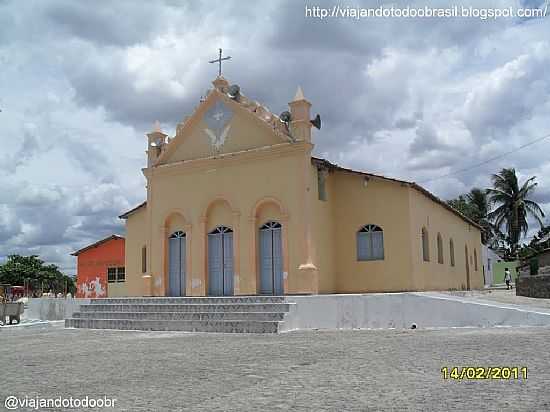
[[539, 242], [513, 206], [475, 206], [479, 204], [33, 272], [461, 204]]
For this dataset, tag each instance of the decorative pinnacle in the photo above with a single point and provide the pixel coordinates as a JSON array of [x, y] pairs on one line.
[[299, 95], [156, 127]]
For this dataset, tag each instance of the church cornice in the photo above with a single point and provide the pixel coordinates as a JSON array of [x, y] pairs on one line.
[[228, 159]]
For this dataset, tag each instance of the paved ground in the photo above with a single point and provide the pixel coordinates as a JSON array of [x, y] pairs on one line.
[[353, 370], [506, 296]]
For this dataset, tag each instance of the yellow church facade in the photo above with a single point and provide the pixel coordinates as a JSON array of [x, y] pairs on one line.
[[237, 205]]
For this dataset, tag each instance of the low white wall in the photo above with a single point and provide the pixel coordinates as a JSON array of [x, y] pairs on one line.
[[401, 310], [52, 308]]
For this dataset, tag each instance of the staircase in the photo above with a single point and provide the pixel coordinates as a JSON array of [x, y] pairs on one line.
[[242, 314]]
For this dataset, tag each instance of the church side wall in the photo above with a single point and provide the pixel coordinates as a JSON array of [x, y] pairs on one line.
[[436, 219], [382, 203], [241, 194], [136, 238]]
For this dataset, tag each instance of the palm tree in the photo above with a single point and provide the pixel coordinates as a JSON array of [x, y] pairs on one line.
[[475, 205], [478, 203], [478, 199], [513, 205]]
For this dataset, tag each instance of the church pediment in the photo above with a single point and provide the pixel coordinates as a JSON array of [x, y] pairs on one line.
[[223, 124], [217, 120]]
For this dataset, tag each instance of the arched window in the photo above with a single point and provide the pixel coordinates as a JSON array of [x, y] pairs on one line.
[[475, 259], [439, 249], [177, 235], [425, 245], [370, 243], [452, 251], [221, 229]]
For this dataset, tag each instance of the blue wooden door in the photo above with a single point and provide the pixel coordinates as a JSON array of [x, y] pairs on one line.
[[266, 262], [271, 259], [176, 264], [220, 262]]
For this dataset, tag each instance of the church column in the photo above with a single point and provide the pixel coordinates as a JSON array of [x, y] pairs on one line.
[[154, 246], [284, 237], [308, 269], [147, 277], [188, 263], [200, 273], [300, 127], [236, 253], [253, 256], [159, 265]]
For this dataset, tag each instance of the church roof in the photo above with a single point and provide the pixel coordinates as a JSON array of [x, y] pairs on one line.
[[96, 244], [125, 215], [425, 192]]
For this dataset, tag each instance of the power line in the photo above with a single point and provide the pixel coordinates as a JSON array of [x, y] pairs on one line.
[[492, 159]]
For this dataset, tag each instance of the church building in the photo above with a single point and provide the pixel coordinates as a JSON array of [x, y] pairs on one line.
[[237, 205]]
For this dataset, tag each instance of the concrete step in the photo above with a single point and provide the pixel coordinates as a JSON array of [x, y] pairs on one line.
[[201, 307], [189, 300], [206, 316], [220, 326]]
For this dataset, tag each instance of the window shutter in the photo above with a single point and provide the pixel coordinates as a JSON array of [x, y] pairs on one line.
[[363, 248], [377, 244]]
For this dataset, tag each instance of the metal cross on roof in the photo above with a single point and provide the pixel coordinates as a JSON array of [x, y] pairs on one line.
[[219, 61]]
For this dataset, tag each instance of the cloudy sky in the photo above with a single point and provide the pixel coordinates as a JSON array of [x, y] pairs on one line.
[[82, 82]]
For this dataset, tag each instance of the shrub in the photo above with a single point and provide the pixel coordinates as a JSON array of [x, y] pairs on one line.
[[534, 266]]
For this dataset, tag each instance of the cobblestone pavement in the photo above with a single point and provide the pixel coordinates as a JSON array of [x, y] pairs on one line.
[[310, 371]]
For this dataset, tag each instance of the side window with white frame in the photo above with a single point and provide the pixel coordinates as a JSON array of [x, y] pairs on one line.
[[370, 243], [111, 275], [116, 274], [121, 274]]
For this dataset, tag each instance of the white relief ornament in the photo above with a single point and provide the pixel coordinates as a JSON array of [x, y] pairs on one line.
[[218, 119]]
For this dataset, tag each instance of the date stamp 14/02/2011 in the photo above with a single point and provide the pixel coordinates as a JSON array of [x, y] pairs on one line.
[[484, 372]]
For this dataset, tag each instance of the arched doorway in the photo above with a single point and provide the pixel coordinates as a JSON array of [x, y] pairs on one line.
[[271, 259], [220, 262], [176, 264], [467, 267]]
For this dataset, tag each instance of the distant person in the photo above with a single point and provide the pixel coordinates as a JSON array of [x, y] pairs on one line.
[[507, 278]]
